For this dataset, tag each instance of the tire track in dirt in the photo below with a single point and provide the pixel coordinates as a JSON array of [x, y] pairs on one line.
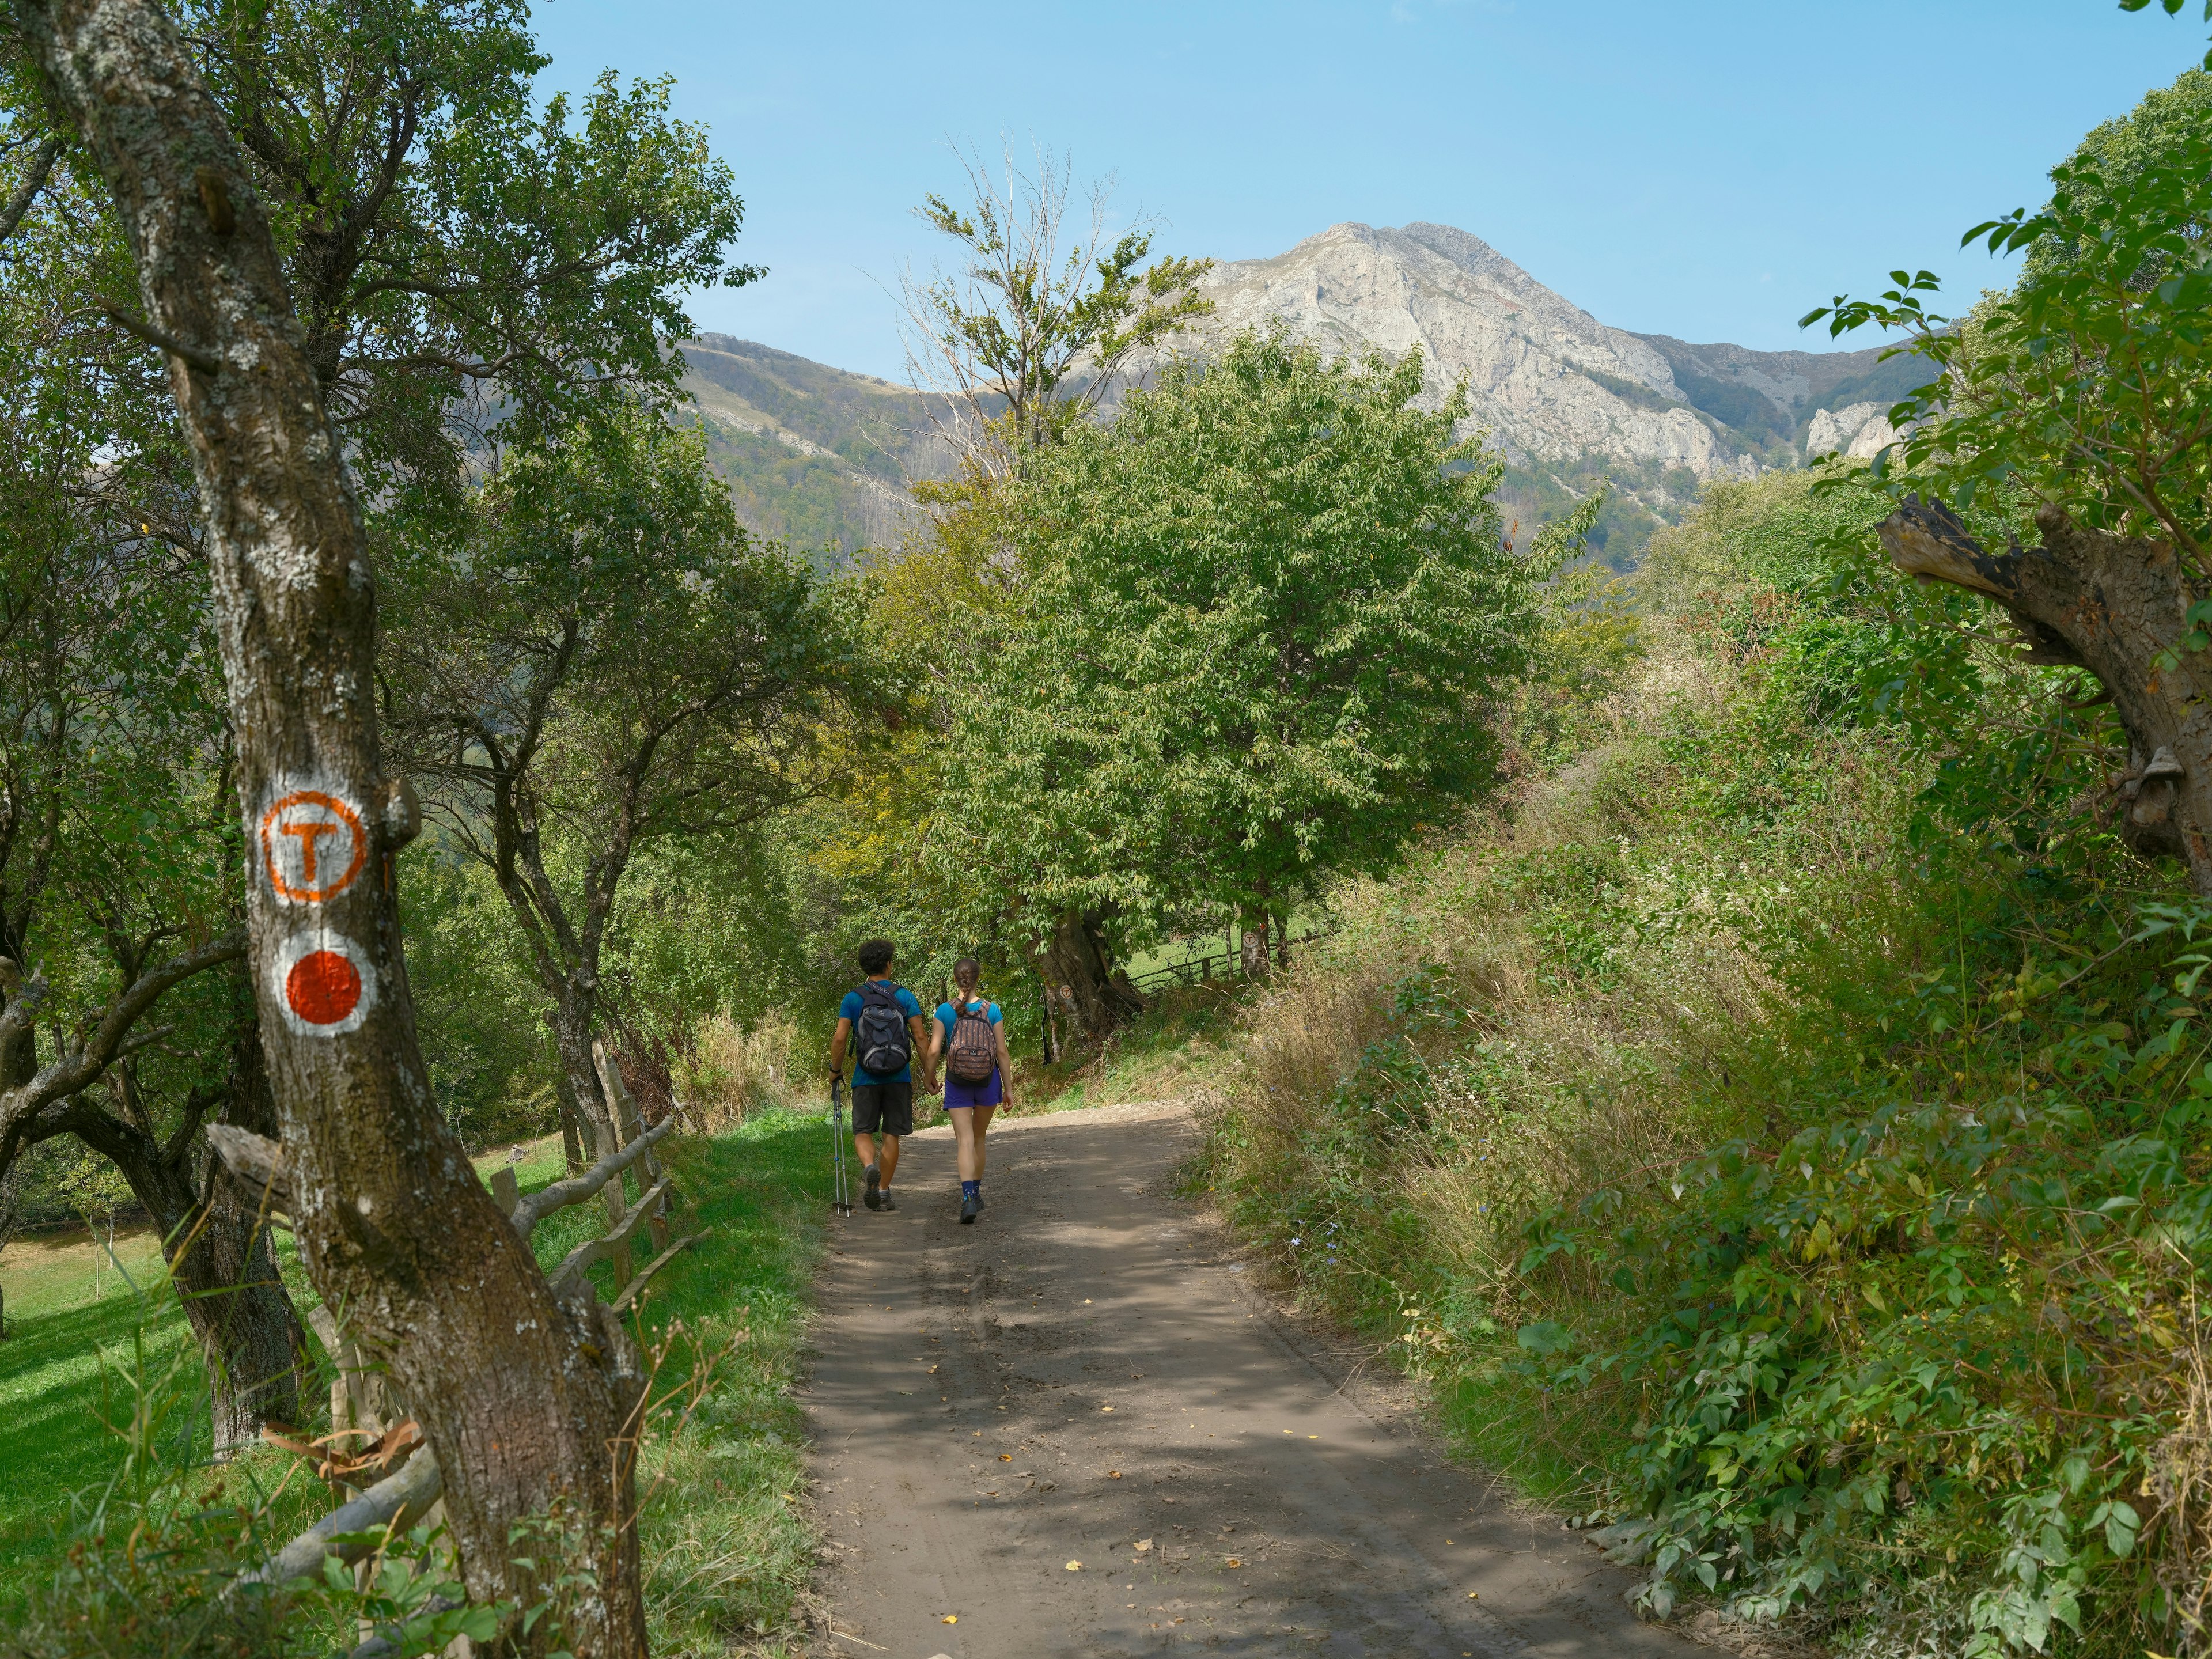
[[1087, 1376]]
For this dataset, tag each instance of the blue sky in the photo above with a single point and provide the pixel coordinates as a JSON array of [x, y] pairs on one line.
[[1708, 170]]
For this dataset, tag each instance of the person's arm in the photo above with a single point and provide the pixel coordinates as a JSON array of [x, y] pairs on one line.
[[837, 1048], [926, 1048], [936, 1044], [1006, 1063]]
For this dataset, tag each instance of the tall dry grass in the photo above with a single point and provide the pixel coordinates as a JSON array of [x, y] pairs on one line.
[[733, 1071], [1586, 976]]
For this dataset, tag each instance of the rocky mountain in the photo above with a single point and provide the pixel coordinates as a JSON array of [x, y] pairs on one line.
[[1568, 401], [822, 458]]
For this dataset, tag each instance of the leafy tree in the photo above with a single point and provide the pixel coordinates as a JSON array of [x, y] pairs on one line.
[[391, 1223], [458, 260], [1031, 333], [2086, 392], [609, 662], [118, 857], [1259, 616], [1029, 337], [458, 255]]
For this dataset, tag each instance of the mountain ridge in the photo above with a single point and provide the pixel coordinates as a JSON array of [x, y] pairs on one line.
[[823, 456]]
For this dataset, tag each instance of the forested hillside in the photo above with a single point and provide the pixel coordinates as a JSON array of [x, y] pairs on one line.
[[815, 458]]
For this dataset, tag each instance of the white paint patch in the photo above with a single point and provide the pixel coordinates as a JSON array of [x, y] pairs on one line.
[[312, 841], [324, 983]]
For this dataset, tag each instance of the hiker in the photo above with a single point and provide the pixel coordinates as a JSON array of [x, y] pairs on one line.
[[970, 1038], [883, 1022]]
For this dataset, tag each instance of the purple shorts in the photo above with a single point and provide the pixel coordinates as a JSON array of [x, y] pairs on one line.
[[985, 1093]]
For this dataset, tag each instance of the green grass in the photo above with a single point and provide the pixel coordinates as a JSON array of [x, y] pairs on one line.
[[53, 1441], [1174, 1047], [727, 1551]]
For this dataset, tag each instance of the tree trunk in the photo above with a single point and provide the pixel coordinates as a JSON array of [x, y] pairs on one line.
[[571, 1037], [1093, 1000], [527, 1401], [2117, 606], [1253, 960], [572, 1141], [219, 1262]]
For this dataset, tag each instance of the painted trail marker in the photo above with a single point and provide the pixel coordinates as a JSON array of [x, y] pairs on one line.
[[314, 846], [325, 983]]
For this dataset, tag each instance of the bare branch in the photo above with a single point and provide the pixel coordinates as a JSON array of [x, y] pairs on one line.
[[561, 1194], [206, 361], [34, 180]]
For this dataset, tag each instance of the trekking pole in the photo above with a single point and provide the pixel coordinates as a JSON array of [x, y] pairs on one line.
[[841, 1198]]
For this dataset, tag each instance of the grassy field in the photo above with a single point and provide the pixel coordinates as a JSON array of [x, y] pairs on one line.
[[727, 1549], [1175, 1046], [65, 1306]]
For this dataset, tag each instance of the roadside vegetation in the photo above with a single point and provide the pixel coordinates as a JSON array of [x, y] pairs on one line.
[[1776, 1124]]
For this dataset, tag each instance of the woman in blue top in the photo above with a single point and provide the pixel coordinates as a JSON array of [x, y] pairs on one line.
[[971, 1033]]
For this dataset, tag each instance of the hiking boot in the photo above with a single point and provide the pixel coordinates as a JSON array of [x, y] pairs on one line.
[[971, 1207], [883, 1199], [873, 1198]]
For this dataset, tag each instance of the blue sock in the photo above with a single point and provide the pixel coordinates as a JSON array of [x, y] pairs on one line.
[[971, 1189]]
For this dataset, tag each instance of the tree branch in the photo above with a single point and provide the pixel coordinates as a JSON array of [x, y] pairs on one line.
[[206, 361], [34, 180]]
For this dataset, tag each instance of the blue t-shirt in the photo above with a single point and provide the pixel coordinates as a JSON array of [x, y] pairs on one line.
[[948, 1017], [850, 1009]]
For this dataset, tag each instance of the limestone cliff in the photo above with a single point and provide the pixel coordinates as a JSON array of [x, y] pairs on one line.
[[1548, 381]]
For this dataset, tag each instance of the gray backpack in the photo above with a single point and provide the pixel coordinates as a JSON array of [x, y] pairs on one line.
[[882, 1045]]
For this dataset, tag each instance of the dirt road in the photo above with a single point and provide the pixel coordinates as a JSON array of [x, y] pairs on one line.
[[1076, 1428]]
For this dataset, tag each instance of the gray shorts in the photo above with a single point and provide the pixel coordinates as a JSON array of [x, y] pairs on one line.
[[882, 1109]]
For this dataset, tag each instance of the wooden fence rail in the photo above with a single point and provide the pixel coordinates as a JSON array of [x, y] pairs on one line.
[[373, 1444]]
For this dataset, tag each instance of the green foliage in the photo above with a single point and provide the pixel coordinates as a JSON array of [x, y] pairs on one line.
[[1257, 617], [1033, 331], [606, 674], [2173, 9], [447, 233], [2083, 387], [477, 1003]]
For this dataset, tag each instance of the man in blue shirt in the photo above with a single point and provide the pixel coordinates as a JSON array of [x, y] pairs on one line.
[[882, 1022]]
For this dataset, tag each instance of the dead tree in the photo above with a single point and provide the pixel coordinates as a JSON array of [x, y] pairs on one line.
[[2117, 606], [526, 1399]]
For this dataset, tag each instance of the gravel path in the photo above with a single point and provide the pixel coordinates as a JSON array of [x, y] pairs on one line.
[[1078, 1428]]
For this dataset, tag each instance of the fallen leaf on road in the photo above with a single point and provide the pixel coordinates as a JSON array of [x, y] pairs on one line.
[[1006, 1457], [1474, 1595], [1142, 1544], [1232, 1562], [1075, 1566], [1113, 1475], [1105, 1408], [949, 1618]]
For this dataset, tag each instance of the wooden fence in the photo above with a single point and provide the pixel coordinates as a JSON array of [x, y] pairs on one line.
[[375, 1448], [1203, 968]]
